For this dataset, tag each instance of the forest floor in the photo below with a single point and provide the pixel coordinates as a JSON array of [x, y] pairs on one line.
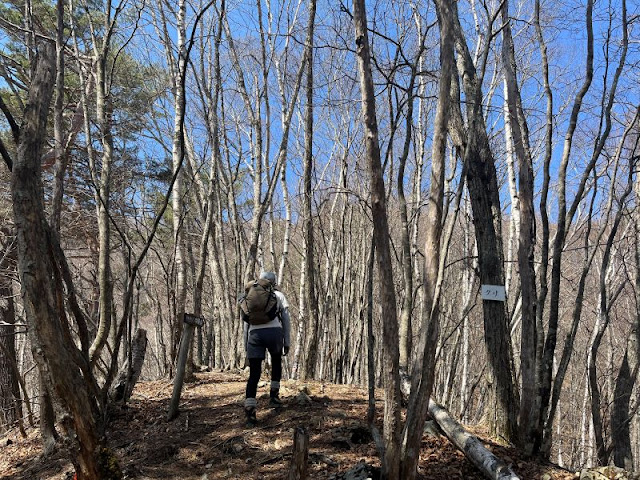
[[209, 440]]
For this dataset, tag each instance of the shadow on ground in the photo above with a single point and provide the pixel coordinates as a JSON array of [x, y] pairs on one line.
[[209, 440]]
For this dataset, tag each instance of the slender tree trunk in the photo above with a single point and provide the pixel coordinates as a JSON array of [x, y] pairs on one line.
[[423, 374], [60, 154], [10, 398], [544, 214], [177, 200], [391, 375], [606, 270], [526, 242], [102, 195], [406, 311], [546, 362], [210, 206], [310, 297]]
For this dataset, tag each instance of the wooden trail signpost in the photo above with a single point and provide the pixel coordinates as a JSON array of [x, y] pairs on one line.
[[190, 322]]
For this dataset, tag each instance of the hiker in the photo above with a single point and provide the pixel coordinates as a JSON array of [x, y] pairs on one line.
[[271, 331]]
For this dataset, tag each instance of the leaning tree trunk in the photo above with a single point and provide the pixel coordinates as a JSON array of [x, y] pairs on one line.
[[391, 354], [42, 292]]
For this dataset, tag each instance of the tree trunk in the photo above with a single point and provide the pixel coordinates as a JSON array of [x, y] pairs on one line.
[[61, 161], [10, 398], [40, 287], [310, 297], [177, 201], [628, 374], [102, 195], [544, 214], [483, 189], [406, 312], [526, 242], [128, 375], [620, 417], [299, 458], [604, 316], [391, 375], [423, 372], [546, 361]]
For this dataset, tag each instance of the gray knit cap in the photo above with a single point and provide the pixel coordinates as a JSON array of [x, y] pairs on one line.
[[271, 276]]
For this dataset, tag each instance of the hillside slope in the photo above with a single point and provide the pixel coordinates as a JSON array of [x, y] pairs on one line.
[[209, 440]]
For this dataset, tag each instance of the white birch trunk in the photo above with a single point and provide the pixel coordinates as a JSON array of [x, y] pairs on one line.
[[514, 223], [177, 202]]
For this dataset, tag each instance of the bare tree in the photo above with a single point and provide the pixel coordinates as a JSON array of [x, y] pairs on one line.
[[423, 372], [310, 295], [550, 388], [391, 358], [621, 416], [487, 220], [526, 242]]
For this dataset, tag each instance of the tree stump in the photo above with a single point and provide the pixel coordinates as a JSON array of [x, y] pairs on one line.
[[128, 375], [298, 468], [190, 323]]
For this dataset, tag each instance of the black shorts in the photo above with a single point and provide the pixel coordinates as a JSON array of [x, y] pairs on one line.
[[263, 339]]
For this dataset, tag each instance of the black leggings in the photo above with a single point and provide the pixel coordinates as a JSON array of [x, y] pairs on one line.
[[255, 370]]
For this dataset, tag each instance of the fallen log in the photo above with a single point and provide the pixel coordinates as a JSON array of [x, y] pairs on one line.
[[490, 465]]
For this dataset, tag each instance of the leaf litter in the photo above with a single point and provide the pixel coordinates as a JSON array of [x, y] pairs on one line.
[[209, 440]]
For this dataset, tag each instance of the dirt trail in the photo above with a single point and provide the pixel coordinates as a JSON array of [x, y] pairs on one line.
[[208, 440]]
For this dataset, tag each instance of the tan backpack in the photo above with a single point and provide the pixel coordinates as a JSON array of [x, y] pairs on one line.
[[259, 304]]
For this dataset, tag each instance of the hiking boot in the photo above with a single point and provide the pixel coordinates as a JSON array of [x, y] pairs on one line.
[[250, 413], [275, 402]]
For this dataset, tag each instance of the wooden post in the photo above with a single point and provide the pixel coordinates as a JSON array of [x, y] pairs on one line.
[[190, 322], [298, 468]]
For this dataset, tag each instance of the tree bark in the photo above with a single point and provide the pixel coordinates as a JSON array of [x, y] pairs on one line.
[[67, 368], [10, 398], [310, 296], [299, 458], [526, 242], [61, 161], [483, 190], [177, 201], [424, 370], [391, 375], [128, 375], [103, 192]]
